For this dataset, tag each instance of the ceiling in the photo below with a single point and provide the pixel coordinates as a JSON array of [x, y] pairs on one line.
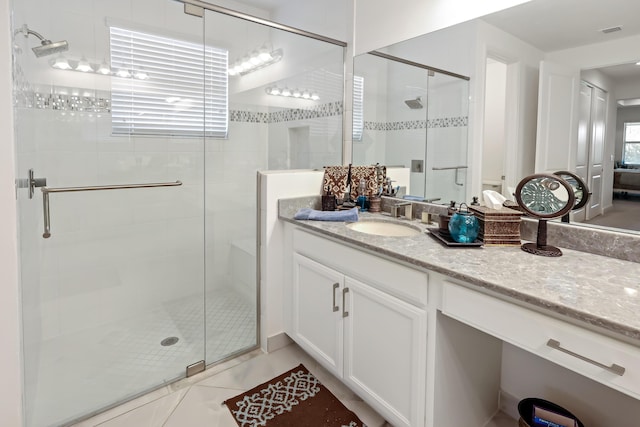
[[552, 25]]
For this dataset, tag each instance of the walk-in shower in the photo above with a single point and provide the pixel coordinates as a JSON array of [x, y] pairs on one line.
[[139, 246]]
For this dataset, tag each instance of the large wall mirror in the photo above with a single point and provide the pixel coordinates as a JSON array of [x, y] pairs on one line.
[[553, 86]]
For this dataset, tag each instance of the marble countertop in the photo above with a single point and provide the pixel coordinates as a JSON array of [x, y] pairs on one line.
[[600, 291]]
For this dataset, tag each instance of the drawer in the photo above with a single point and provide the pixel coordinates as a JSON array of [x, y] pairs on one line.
[[398, 280], [611, 362]]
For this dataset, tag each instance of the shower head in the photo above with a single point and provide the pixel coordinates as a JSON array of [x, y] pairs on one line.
[[47, 47], [414, 104]]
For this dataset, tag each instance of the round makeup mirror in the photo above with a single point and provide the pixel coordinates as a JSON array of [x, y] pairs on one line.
[[544, 196], [580, 190]]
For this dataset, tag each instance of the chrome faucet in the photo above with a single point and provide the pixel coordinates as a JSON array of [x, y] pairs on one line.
[[395, 210]]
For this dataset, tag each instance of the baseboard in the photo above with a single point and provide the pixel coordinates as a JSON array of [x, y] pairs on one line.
[[278, 341], [509, 404]]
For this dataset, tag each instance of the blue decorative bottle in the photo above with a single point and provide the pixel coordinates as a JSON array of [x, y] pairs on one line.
[[464, 226]]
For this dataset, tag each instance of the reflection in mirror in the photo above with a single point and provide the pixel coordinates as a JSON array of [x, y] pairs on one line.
[[530, 45], [580, 191], [413, 117]]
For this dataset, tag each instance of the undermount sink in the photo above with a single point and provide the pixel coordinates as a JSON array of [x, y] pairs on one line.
[[385, 228]]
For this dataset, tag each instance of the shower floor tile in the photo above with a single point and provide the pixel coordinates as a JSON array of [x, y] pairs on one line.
[[97, 368]]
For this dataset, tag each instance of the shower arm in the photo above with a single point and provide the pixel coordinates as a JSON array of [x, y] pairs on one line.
[[24, 29], [47, 190]]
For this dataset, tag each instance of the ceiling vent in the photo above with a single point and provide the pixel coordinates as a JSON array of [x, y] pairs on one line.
[[611, 30]]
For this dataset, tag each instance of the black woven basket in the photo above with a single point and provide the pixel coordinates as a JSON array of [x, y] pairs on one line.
[[525, 409]]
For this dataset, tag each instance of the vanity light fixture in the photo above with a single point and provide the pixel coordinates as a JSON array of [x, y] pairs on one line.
[[84, 66], [254, 61], [295, 93]]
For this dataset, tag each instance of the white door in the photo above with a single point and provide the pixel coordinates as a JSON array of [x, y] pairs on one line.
[[596, 152], [385, 353], [584, 136], [556, 141], [317, 312]]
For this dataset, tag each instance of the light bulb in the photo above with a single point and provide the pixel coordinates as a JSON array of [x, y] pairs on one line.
[[296, 93], [61, 63], [315, 96], [232, 71], [306, 95], [123, 73], [265, 55], [83, 66], [286, 92], [104, 68], [255, 58], [246, 63], [275, 91], [140, 75]]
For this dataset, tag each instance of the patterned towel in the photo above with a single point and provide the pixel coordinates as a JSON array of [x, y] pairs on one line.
[[335, 179]]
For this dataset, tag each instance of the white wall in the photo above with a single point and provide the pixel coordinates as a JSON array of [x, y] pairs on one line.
[[379, 23]]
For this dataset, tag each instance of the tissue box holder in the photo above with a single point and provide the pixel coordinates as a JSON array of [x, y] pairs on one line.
[[498, 227]]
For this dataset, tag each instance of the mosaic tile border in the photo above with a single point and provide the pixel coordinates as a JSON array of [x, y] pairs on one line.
[[102, 104], [325, 110], [444, 122]]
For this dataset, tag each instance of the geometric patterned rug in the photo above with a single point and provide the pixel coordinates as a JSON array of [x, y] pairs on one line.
[[293, 399]]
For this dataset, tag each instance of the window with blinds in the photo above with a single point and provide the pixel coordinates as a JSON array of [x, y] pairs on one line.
[[358, 107], [164, 86]]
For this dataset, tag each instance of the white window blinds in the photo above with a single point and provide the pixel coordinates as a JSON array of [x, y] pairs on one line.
[[358, 107], [164, 86]]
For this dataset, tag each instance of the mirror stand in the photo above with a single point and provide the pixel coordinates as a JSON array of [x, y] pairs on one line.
[[541, 247]]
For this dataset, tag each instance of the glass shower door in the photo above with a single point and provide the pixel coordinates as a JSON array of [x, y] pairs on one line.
[[112, 248], [447, 135], [284, 95]]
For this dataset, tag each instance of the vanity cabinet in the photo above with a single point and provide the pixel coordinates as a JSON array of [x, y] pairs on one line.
[[605, 360], [361, 328]]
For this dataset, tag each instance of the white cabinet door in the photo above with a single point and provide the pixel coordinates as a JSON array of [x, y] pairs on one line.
[[385, 353], [317, 312]]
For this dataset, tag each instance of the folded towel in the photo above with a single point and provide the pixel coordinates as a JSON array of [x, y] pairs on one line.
[[350, 215], [413, 198]]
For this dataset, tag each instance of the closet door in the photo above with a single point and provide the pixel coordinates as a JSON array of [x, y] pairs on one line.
[[596, 151]]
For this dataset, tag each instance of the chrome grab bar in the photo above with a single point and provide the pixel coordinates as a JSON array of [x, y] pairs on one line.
[[47, 190], [457, 168], [448, 168], [616, 369]]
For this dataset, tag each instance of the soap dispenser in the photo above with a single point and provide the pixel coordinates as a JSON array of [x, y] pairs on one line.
[[362, 196]]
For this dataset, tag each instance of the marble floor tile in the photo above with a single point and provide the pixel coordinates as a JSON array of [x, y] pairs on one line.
[[202, 406], [197, 401], [152, 414]]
